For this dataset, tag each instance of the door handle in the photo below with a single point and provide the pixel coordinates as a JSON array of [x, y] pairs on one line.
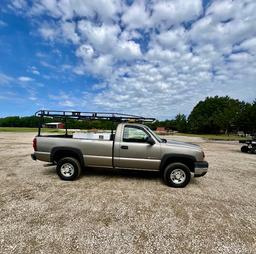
[[124, 147]]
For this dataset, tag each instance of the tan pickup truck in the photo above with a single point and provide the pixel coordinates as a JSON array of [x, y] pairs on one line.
[[132, 146]]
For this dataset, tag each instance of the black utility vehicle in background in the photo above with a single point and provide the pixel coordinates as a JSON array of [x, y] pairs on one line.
[[250, 145]]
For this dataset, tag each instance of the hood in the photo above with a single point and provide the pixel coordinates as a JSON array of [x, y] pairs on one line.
[[182, 144]]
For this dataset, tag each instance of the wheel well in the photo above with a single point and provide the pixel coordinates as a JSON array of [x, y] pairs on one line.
[[59, 154], [187, 161]]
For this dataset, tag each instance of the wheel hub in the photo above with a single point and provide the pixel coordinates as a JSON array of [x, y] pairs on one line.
[[178, 176], [67, 169]]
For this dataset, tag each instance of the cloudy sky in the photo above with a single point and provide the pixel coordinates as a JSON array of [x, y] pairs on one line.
[[154, 58]]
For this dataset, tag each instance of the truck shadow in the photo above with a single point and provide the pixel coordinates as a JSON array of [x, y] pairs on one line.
[[130, 174], [119, 173], [111, 173]]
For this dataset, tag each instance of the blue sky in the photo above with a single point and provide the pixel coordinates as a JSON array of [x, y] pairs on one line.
[[154, 58]]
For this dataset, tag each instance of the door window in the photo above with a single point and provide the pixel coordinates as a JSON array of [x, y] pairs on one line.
[[134, 134]]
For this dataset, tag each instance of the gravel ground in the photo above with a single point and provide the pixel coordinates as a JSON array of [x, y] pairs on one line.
[[108, 211]]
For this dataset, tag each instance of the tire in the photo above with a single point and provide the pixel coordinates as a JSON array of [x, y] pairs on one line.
[[175, 170], [244, 149], [68, 168]]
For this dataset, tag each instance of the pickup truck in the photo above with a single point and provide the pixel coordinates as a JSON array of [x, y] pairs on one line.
[[132, 146]]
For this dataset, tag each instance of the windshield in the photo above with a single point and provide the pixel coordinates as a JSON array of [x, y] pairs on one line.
[[155, 135]]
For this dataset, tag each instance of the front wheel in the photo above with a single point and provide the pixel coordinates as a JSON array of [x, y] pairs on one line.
[[176, 175], [244, 149], [68, 168]]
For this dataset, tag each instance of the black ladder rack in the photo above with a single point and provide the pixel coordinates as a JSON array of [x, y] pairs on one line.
[[77, 115], [117, 117]]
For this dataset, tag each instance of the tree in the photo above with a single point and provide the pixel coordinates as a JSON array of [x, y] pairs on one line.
[[246, 121], [215, 114], [181, 123]]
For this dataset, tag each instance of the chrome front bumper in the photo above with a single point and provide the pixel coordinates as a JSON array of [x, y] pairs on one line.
[[201, 168]]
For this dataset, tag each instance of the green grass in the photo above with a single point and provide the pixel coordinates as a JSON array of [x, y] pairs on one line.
[[21, 129], [214, 136]]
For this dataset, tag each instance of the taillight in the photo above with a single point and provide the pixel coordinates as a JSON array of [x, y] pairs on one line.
[[34, 144]]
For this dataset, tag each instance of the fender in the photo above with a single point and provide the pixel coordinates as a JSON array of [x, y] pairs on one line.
[[174, 155], [67, 149]]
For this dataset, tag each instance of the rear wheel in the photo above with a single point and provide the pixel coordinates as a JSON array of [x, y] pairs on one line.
[[68, 168], [244, 149], [176, 175]]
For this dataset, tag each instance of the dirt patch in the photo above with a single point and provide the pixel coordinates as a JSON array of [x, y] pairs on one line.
[[108, 211]]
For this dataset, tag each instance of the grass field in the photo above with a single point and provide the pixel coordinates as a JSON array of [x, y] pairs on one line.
[[213, 136], [21, 129]]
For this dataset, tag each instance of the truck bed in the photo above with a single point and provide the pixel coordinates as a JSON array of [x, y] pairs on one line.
[[95, 152]]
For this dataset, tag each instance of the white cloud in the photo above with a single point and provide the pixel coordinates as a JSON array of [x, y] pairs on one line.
[[9, 85], [127, 50], [33, 70], [48, 32], [103, 46], [32, 98], [173, 12], [68, 30], [85, 51], [5, 79], [51, 6], [103, 37], [101, 65], [66, 9], [241, 57], [66, 103], [175, 39], [136, 15], [94, 63], [249, 45], [64, 99], [222, 10], [9, 80], [155, 57], [25, 79], [18, 4], [240, 21]]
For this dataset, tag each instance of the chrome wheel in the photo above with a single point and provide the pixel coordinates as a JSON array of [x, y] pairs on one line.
[[67, 169], [178, 176]]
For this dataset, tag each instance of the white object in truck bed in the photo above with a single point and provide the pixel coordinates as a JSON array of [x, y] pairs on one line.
[[97, 136]]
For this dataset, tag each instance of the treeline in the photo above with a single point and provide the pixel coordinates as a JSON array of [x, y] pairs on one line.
[[222, 114], [33, 121], [213, 115], [16, 121]]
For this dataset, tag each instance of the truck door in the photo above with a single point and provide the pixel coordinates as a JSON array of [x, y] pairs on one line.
[[135, 152]]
